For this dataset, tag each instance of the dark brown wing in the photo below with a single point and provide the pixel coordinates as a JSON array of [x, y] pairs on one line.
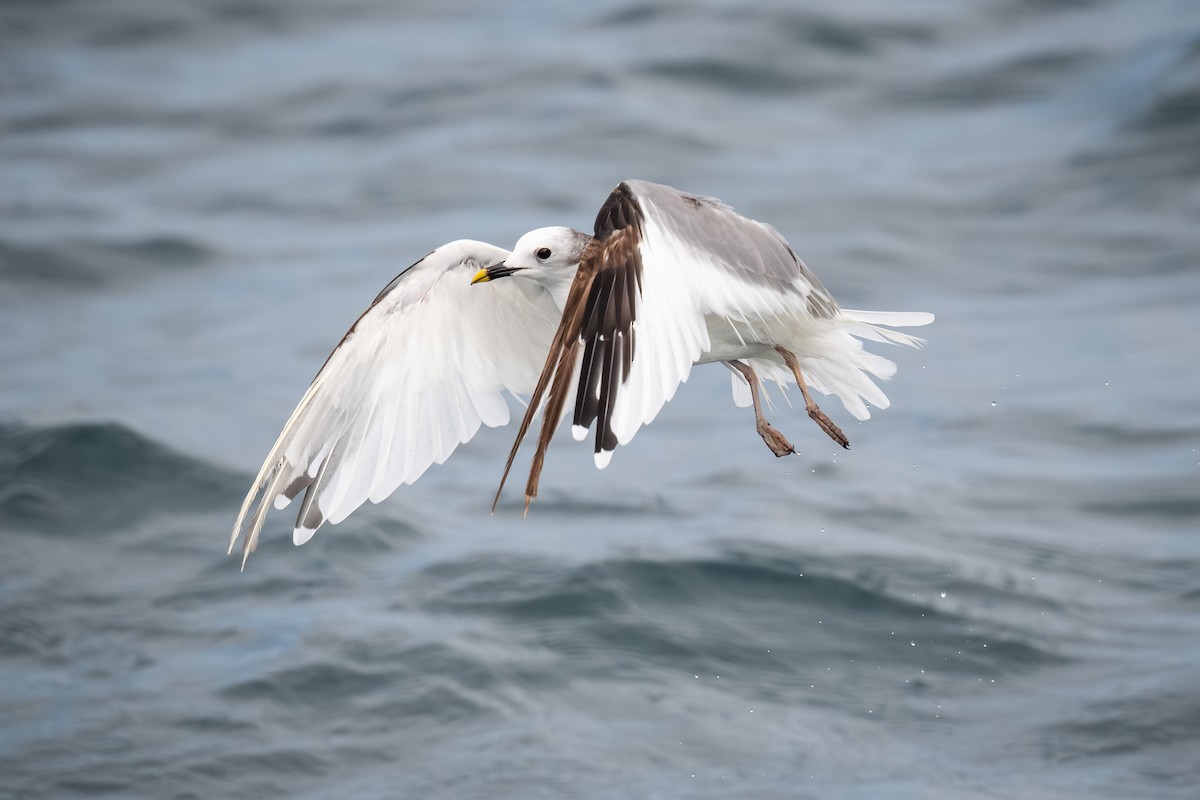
[[598, 319], [607, 331]]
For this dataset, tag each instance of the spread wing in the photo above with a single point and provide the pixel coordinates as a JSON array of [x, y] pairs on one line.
[[633, 324], [415, 377]]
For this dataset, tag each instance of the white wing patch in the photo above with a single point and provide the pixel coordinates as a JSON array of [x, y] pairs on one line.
[[669, 332]]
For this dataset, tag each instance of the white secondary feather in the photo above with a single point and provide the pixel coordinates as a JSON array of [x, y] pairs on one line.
[[669, 331], [423, 368]]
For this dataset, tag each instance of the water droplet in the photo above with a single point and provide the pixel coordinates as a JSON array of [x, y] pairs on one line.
[[993, 404], [943, 595]]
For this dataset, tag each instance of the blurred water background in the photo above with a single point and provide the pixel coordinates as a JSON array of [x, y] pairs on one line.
[[995, 593]]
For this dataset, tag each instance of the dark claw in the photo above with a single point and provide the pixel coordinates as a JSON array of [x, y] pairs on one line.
[[827, 425]]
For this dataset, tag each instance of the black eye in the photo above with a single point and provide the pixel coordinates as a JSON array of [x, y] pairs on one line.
[[544, 253]]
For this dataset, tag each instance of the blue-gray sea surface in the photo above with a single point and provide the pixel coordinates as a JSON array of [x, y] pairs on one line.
[[994, 594]]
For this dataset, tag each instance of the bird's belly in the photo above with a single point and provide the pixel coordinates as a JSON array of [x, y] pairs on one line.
[[730, 340]]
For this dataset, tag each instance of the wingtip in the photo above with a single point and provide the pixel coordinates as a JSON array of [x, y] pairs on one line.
[[237, 532]]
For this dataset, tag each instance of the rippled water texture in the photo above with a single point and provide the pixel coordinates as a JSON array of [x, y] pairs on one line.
[[993, 594]]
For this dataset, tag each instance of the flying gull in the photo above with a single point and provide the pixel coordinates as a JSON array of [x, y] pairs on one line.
[[670, 280], [432, 358]]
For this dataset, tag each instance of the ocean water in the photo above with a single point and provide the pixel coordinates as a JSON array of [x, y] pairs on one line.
[[994, 594]]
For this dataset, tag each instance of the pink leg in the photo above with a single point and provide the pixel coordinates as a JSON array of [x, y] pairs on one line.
[[774, 439], [814, 411]]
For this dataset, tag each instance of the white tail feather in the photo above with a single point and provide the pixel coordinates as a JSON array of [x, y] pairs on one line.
[[871, 325]]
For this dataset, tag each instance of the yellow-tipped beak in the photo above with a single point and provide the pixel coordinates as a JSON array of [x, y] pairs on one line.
[[497, 270]]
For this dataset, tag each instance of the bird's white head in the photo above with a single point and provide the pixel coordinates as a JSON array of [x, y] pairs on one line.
[[549, 256]]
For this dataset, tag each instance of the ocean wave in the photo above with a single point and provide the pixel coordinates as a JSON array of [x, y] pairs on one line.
[[723, 609], [102, 474], [84, 265]]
